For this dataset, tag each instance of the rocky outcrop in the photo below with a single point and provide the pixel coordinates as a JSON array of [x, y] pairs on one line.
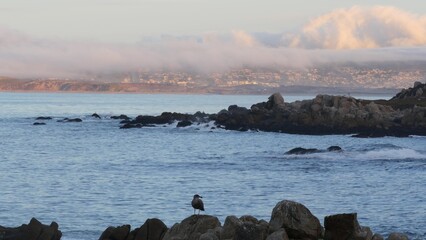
[[34, 230], [325, 114], [296, 219], [166, 118], [192, 227], [152, 229], [417, 91]]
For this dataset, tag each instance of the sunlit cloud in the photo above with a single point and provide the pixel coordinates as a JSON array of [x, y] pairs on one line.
[[359, 27]]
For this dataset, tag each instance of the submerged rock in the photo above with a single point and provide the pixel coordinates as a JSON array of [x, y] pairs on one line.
[[44, 118], [300, 150], [39, 123], [334, 149], [67, 120]]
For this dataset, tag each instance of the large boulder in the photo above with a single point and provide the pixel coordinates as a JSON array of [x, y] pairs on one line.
[[192, 227], [152, 229], [244, 228], [377, 236], [296, 219], [116, 233], [281, 234], [34, 230], [345, 226], [397, 236]]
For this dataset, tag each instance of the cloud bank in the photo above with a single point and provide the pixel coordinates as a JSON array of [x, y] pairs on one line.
[[355, 34], [360, 27]]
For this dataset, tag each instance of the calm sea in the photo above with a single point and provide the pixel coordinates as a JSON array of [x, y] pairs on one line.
[[90, 175]]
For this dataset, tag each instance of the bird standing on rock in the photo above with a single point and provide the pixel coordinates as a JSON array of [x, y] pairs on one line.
[[197, 203]]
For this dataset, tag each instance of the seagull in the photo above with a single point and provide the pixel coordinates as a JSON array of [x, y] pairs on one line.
[[197, 203]]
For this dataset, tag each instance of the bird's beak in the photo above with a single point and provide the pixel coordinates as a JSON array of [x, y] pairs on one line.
[[201, 197]]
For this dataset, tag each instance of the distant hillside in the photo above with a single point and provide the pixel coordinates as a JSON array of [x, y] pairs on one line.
[[18, 85]]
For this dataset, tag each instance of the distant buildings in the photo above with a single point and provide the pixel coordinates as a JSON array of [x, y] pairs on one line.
[[325, 76]]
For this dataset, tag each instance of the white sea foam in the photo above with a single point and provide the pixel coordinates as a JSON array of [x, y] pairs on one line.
[[390, 154]]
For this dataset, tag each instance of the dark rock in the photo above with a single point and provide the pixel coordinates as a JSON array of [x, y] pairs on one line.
[[116, 233], [39, 123], [296, 219], [131, 125], [122, 117], [95, 115], [300, 150], [275, 100], [244, 228], [345, 226], [33, 231], [397, 236], [211, 234], [192, 227], [278, 235], [184, 123], [152, 229], [417, 84], [377, 236], [44, 118], [70, 120], [125, 121], [334, 149]]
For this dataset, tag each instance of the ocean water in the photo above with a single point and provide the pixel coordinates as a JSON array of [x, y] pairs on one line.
[[90, 175]]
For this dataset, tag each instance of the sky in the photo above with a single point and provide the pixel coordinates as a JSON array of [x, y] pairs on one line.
[[65, 37]]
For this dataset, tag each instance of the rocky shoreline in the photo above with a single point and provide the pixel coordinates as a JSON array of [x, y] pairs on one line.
[[401, 116], [289, 220]]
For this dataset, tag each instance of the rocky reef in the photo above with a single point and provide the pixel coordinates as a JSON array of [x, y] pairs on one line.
[[401, 116]]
